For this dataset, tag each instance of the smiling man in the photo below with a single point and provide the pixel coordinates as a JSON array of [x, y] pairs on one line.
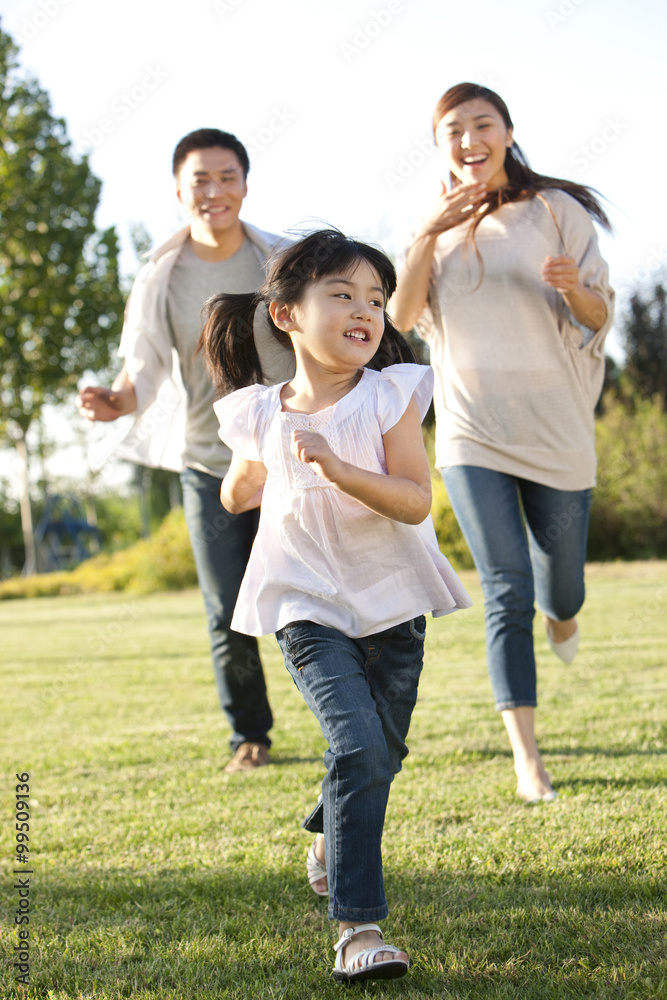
[[167, 387]]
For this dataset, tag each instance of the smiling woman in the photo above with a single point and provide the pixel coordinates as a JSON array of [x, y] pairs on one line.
[[476, 138], [516, 331]]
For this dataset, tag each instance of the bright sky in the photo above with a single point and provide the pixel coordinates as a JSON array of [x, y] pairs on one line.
[[334, 101]]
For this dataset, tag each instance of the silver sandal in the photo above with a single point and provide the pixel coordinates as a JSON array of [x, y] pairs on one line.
[[363, 965], [316, 871]]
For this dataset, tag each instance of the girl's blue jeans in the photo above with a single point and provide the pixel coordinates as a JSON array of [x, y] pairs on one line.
[[529, 544], [362, 692]]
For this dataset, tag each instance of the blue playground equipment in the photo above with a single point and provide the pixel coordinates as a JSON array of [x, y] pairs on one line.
[[63, 537]]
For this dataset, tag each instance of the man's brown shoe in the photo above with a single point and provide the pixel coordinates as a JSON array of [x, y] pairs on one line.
[[248, 757]]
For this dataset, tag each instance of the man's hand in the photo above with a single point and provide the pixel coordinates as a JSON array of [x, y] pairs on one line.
[[97, 403]]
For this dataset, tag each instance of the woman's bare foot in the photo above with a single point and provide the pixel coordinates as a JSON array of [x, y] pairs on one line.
[[533, 783]]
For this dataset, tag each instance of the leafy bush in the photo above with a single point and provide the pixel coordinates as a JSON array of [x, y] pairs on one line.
[[162, 562], [450, 538], [629, 509]]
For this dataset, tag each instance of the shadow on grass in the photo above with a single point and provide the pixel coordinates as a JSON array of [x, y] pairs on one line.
[[578, 784], [473, 755], [619, 752], [262, 933], [281, 761]]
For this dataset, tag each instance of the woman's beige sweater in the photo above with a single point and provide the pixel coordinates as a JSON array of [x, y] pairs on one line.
[[516, 377]]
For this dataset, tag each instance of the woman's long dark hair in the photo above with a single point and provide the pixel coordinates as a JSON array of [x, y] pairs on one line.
[[227, 342], [522, 182]]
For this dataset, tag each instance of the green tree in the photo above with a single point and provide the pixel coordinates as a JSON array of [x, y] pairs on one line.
[[59, 285], [645, 335]]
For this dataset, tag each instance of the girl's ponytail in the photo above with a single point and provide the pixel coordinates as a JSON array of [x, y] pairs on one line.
[[227, 341]]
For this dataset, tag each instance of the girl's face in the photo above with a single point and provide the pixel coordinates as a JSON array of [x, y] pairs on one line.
[[339, 322], [475, 139]]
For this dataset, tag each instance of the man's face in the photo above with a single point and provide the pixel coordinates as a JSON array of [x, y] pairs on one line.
[[211, 186]]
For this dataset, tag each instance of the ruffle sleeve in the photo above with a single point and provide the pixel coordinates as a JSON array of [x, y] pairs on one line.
[[240, 415], [396, 386]]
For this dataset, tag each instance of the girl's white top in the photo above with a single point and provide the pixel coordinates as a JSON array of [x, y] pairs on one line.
[[320, 555]]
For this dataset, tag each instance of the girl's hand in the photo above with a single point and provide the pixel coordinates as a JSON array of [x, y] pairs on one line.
[[313, 449], [561, 273], [403, 494], [453, 207]]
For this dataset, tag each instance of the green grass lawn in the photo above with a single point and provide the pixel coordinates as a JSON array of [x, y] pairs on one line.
[[156, 876]]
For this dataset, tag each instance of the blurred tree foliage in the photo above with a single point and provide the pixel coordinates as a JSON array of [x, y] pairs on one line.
[[644, 330], [62, 305]]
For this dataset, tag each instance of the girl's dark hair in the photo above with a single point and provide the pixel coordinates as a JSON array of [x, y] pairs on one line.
[[227, 342], [522, 182]]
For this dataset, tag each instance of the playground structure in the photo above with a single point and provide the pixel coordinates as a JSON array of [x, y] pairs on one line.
[[63, 536]]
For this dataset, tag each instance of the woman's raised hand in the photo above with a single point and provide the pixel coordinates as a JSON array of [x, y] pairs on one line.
[[452, 207]]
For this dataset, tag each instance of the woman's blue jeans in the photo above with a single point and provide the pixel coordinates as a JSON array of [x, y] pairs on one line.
[[221, 543], [362, 692], [528, 542]]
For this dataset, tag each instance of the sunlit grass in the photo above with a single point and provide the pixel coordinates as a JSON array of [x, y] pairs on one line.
[[156, 876]]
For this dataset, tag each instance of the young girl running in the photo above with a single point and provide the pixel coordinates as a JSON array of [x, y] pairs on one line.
[[345, 563]]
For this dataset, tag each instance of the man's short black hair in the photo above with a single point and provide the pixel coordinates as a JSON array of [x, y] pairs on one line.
[[209, 138]]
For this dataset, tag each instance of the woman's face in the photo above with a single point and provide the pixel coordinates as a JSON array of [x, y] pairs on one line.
[[475, 138]]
